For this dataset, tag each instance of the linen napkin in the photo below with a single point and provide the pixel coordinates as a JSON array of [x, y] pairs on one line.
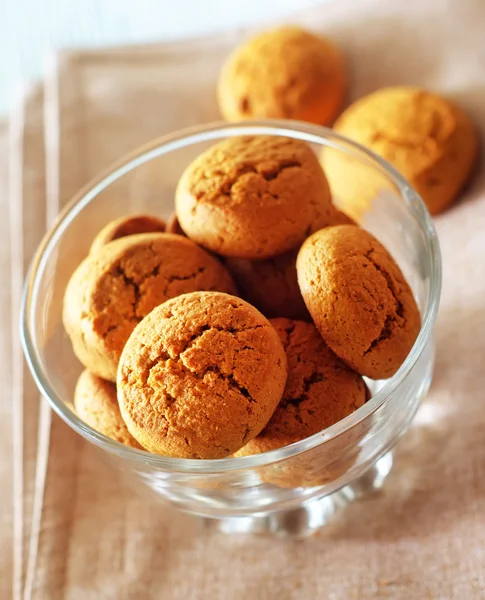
[[7, 479], [28, 222]]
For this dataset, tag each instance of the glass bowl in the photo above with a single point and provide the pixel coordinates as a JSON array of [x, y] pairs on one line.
[[293, 490]]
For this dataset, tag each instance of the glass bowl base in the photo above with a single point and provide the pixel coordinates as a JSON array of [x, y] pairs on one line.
[[311, 516]]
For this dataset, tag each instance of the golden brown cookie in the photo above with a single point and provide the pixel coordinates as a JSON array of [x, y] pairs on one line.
[[285, 73], [173, 225], [320, 390], [252, 197], [271, 285], [430, 140], [200, 376], [324, 463], [359, 299], [129, 225], [96, 404], [112, 290]]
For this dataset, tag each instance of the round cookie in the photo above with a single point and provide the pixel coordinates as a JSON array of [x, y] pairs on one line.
[[173, 226], [430, 140], [272, 284], [358, 299], [124, 226], [253, 197], [96, 404], [285, 73], [201, 376], [112, 290], [320, 390]]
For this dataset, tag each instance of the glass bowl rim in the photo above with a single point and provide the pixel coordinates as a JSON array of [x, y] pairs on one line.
[[174, 141]]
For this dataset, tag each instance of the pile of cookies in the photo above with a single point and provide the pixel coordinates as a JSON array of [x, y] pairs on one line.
[[244, 324], [289, 73]]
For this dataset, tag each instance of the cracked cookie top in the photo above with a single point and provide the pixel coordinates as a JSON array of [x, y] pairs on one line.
[[359, 299], [283, 73], [320, 389], [96, 403], [111, 291], [201, 376], [253, 197], [124, 226]]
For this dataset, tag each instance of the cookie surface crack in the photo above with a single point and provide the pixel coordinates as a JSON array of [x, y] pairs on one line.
[[203, 328], [173, 278], [386, 330], [308, 382], [233, 383], [269, 171], [120, 272]]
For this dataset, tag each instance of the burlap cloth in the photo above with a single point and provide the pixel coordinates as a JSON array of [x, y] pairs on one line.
[[79, 534]]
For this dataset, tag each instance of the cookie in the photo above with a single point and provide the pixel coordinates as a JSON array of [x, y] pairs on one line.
[[358, 299], [201, 376], [430, 140], [271, 284], [96, 404], [285, 73], [173, 225], [320, 390], [252, 197], [112, 290], [124, 226]]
